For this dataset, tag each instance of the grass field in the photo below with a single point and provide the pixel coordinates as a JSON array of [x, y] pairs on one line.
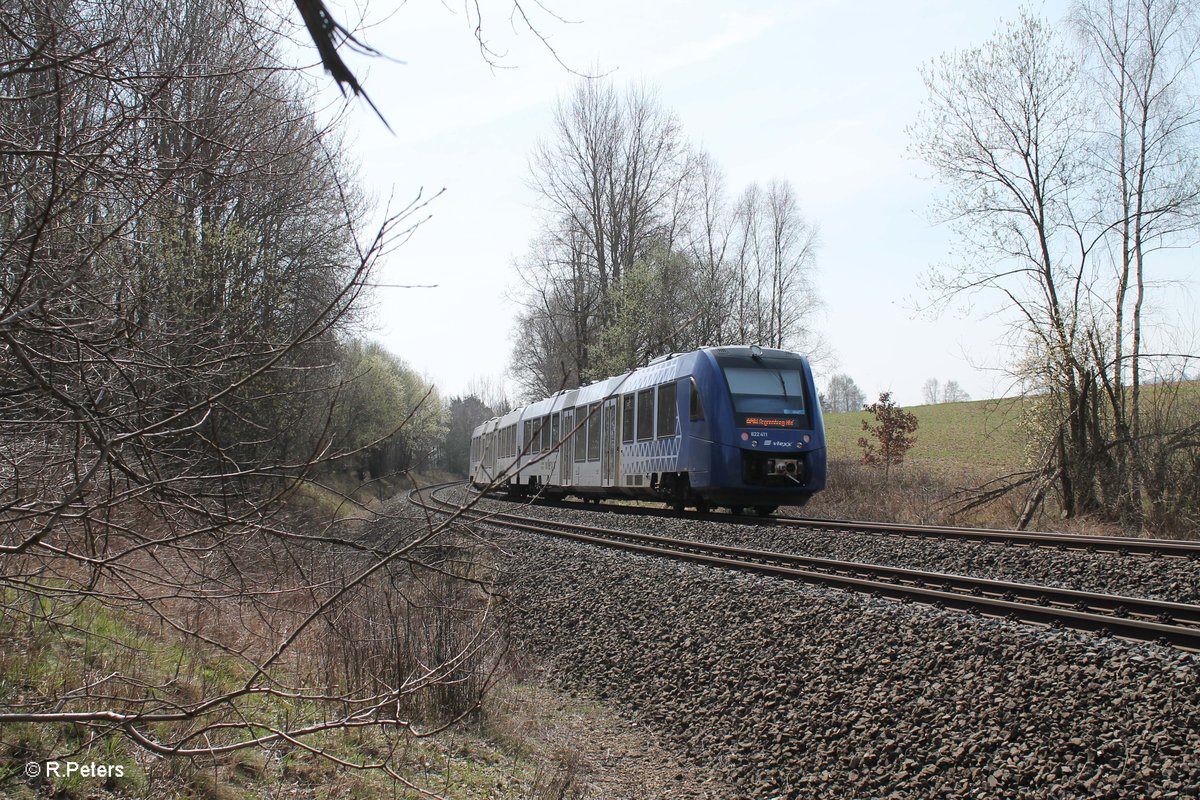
[[960, 447], [980, 434]]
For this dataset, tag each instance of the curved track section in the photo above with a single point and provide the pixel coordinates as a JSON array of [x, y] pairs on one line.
[[1176, 624]]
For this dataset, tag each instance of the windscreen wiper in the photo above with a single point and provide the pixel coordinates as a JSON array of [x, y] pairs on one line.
[[782, 384]]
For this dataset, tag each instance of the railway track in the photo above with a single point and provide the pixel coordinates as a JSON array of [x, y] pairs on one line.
[[1121, 545], [1176, 624]]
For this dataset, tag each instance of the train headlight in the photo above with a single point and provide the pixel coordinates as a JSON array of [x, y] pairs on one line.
[[807, 438]]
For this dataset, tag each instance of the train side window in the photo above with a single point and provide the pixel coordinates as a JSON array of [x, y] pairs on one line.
[[696, 406], [581, 433], [627, 419], [667, 413], [593, 437], [545, 433], [527, 429], [555, 421], [645, 415]]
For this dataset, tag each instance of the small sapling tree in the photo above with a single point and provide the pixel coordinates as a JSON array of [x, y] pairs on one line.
[[890, 437]]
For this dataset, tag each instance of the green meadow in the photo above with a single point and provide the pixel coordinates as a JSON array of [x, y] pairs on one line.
[[977, 433]]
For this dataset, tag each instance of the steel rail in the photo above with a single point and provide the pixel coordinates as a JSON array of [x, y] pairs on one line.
[[1121, 545], [1177, 624]]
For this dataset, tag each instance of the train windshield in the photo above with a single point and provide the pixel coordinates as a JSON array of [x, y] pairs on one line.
[[768, 392]]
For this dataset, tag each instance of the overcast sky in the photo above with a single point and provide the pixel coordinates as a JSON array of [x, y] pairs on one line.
[[817, 93]]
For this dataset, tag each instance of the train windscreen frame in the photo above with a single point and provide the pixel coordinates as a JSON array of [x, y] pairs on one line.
[[766, 392]]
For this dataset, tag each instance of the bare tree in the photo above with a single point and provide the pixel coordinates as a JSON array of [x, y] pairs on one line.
[[711, 239], [1003, 129], [491, 391], [953, 393], [775, 299], [793, 300], [748, 256], [609, 173], [560, 303], [1058, 203], [934, 391], [843, 394], [611, 179], [1142, 56], [931, 391], [640, 253]]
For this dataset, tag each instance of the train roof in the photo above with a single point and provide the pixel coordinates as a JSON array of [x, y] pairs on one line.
[[749, 350], [659, 370]]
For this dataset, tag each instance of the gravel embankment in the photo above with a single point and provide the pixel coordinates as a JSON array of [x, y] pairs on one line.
[[1172, 579], [797, 692]]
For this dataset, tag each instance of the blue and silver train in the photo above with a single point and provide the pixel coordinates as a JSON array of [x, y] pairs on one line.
[[736, 427]]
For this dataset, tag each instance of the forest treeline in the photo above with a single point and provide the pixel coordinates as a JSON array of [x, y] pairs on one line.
[[181, 266], [182, 262]]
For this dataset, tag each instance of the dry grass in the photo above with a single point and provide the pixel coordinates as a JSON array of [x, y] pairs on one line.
[[931, 493], [394, 631], [915, 492]]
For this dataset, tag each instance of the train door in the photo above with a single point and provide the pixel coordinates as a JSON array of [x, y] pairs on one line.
[[566, 448], [608, 446], [489, 463], [552, 457]]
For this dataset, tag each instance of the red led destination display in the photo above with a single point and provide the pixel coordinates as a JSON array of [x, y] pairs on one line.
[[750, 421]]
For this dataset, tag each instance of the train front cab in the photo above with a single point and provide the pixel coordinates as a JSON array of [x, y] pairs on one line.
[[761, 427]]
